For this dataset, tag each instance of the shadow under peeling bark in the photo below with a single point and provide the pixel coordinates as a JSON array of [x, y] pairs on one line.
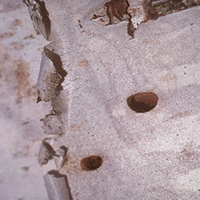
[[40, 17], [46, 153], [55, 58]]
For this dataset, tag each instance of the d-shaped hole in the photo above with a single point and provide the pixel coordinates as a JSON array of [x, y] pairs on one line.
[[91, 162], [142, 102]]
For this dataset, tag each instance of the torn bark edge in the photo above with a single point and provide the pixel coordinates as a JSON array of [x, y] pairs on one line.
[[40, 17], [55, 58], [62, 158], [51, 75], [58, 125], [47, 153], [57, 186], [140, 12], [152, 9], [157, 8]]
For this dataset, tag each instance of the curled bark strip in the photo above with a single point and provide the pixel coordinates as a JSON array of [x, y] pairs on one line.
[[51, 75], [62, 158], [57, 186], [138, 11], [40, 17], [144, 10], [46, 152]]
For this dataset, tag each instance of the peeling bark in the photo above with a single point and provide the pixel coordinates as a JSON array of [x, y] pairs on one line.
[[51, 75], [139, 11], [40, 17], [57, 186], [152, 9], [106, 138]]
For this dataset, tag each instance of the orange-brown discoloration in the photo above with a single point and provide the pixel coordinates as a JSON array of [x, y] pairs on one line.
[[22, 86], [83, 63]]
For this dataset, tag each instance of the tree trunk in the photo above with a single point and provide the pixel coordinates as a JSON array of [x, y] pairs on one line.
[[124, 116]]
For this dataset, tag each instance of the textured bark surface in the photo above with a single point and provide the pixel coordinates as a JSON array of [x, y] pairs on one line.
[[115, 152], [124, 117]]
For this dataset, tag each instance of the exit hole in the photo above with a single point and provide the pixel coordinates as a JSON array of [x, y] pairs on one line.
[[142, 102]]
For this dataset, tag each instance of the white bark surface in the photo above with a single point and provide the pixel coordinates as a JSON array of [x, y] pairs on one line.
[[152, 155]]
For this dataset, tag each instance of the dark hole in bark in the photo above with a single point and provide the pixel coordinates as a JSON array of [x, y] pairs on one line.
[[142, 102], [91, 162]]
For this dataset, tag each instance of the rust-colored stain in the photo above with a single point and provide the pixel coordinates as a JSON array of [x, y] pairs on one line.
[[23, 87], [15, 24], [75, 127], [14, 76], [22, 151], [83, 63], [91, 162], [17, 45], [71, 165], [169, 76], [102, 20], [26, 168], [6, 35], [29, 37], [181, 115]]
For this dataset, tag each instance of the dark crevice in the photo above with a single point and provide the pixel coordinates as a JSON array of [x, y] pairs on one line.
[[41, 9], [55, 58], [56, 174], [64, 148], [49, 148], [130, 28], [45, 17], [39, 98], [46, 153]]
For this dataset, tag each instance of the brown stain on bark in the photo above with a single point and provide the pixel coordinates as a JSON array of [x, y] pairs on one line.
[[23, 87], [14, 77], [6, 35], [181, 115], [17, 45], [83, 63], [25, 168], [15, 24]]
